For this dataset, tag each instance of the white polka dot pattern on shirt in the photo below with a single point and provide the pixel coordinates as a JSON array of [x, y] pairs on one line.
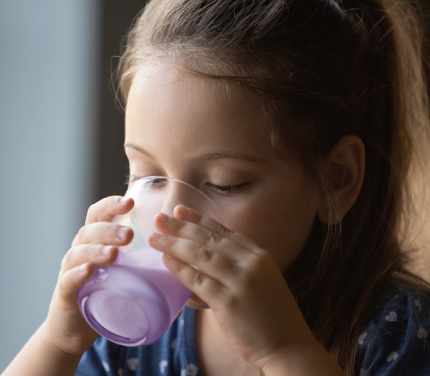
[[422, 333], [418, 304], [132, 364], [191, 370], [392, 317], [173, 344], [163, 365], [105, 366], [361, 338], [392, 356]]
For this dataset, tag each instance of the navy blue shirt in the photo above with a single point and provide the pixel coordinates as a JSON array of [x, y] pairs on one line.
[[394, 342], [172, 355]]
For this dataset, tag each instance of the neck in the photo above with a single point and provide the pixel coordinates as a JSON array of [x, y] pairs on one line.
[[212, 345]]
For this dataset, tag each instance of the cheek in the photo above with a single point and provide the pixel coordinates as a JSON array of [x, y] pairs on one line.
[[281, 228]]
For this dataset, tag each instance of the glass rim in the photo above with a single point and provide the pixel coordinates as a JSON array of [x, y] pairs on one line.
[[147, 178]]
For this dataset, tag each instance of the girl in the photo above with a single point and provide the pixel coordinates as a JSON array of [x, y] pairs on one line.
[[300, 119]]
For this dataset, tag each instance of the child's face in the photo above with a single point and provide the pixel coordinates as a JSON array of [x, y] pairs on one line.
[[178, 118]]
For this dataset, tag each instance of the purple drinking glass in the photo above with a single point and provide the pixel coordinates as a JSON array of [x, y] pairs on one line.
[[134, 300]]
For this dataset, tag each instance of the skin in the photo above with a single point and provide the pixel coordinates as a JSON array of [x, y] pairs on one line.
[[279, 196], [239, 277], [247, 309]]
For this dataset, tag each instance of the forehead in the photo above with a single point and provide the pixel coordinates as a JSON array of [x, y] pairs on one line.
[[190, 114]]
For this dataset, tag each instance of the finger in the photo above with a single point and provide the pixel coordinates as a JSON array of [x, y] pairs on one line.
[[97, 254], [191, 215], [197, 300], [69, 283], [208, 289], [106, 209], [211, 263], [103, 233], [188, 230]]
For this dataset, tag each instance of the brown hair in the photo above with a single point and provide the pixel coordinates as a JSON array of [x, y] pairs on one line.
[[332, 68]]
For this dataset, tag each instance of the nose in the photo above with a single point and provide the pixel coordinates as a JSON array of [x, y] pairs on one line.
[[162, 195], [176, 193]]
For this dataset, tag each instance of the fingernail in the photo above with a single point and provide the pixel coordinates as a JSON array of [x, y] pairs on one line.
[[122, 200], [183, 209], [82, 268], [106, 251], [155, 237], [163, 218], [122, 232]]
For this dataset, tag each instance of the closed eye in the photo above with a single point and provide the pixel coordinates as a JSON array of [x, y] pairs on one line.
[[228, 189], [222, 189]]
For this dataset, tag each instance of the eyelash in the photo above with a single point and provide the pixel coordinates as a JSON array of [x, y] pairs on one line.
[[229, 189], [223, 189]]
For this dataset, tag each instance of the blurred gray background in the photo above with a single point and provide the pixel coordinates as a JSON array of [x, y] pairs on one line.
[[48, 79], [61, 137]]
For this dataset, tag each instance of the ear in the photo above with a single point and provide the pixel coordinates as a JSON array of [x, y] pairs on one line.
[[345, 168]]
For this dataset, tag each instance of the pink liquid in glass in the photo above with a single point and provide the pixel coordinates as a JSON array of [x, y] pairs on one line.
[[133, 301]]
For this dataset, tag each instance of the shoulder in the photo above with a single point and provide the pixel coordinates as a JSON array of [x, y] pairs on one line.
[[395, 339]]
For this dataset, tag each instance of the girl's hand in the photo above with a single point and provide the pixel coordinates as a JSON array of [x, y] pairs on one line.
[[238, 280], [95, 244]]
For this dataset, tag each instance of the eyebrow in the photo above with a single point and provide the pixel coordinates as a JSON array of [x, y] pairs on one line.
[[205, 157]]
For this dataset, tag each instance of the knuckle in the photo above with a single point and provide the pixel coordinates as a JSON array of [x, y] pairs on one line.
[[98, 207], [75, 240], [66, 260], [224, 231], [108, 230], [112, 200], [110, 204], [81, 233], [95, 249], [62, 284], [204, 254], [198, 279], [212, 237], [91, 210]]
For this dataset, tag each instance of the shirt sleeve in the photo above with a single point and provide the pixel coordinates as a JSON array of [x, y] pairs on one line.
[[395, 341]]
